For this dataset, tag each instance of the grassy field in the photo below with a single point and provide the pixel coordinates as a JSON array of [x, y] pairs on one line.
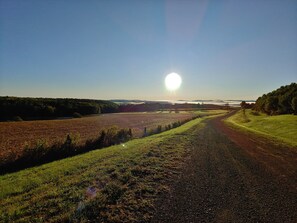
[[282, 128], [115, 184]]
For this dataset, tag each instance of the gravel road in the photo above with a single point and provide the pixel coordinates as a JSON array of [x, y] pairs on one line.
[[232, 177]]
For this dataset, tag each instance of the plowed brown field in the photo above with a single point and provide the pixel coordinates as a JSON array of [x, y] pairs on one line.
[[14, 135]]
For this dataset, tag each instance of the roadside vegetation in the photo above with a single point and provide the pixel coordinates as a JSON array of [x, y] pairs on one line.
[[282, 128], [115, 184]]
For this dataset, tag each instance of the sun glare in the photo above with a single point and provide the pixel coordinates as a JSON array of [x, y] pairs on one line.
[[173, 81]]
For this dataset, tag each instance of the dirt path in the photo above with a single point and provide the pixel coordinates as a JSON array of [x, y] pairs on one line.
[[232, 177], [279, 159]]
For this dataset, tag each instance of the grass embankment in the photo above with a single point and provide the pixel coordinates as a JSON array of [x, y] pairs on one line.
[[115, 184], [281, 128]]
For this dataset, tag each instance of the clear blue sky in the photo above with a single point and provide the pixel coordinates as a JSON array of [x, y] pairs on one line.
[[124, 49]]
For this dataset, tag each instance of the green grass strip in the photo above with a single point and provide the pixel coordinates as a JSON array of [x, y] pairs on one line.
[[281, 128]]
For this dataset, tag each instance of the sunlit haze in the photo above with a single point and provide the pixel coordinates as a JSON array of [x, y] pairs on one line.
[[112, 50]]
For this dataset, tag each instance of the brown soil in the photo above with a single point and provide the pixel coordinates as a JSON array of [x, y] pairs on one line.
[[15, 135], [233, 176]]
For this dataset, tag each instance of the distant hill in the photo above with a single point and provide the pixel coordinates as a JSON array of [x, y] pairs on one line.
[[18, 108], [280, 101], [232, 103]]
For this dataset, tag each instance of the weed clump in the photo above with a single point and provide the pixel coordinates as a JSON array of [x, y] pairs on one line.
[[17, 119], [77, 115], [255, 113], [245, 119], [113, 192]]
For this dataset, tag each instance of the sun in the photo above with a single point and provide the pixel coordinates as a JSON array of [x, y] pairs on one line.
[[173, 81]]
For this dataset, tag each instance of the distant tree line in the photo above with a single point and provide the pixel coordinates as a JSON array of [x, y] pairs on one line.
[[280, 101], [18, 108], [40, 108]]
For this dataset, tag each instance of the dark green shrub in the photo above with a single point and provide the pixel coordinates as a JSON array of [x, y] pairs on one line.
[[159, 129], [294, 105], [77, 115], [124, 135], [144, 132], [255, 113], [49, 110], [17, 119]]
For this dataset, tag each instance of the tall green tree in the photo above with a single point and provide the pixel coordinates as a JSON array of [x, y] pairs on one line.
[[279, 101]]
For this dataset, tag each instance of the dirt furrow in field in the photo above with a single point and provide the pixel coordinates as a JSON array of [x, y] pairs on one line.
[[224, 182]]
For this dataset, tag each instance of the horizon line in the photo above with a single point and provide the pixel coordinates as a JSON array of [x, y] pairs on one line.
[[123, 99]]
